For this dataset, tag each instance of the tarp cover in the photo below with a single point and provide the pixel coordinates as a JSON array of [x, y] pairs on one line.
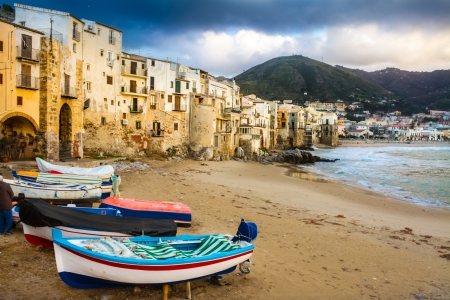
[[38, 213], [101, 171]]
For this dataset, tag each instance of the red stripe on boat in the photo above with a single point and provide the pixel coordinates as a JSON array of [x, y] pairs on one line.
[[157, 268], [148, 205], [38, 241]]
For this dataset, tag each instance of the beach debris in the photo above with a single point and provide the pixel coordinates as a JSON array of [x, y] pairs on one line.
[[446, 256], [406, 231], [397, 237], [312, 221], [39, 248], [340, 216], [131, 166], [137, 290], [14, 264], [445, 247]]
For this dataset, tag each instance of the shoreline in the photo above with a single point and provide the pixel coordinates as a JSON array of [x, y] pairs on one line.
[[317, 240]]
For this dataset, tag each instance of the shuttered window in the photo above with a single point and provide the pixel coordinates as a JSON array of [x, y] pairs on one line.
[[19, 100], [1, 78], [109, 80], [1, 46]]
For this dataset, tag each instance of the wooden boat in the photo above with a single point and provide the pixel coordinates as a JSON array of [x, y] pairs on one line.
[[64, 192], [179, 212], [108, 185], [107, 262], [38, 218]]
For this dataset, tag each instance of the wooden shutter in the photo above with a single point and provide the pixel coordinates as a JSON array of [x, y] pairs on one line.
[[1, 78], [152, 83], [1, 45], [133, 67], [19, 100], [177, 103], [177, 86], [169, 98], [26, 75], [135, 104], [132, 86]]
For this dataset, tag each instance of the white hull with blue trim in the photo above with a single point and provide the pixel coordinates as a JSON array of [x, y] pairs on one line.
[[81, 265]]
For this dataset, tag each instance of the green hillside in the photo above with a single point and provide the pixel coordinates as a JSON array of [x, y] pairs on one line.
[[290, 77]]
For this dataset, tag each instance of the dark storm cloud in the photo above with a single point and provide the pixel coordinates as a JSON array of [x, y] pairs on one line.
[[280, 16]]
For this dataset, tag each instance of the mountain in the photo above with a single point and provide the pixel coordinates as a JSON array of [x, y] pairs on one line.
[[303, 79], [424, 89]]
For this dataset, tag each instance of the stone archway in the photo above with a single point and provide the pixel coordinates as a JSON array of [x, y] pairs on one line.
[[18, 136], [65, 131]]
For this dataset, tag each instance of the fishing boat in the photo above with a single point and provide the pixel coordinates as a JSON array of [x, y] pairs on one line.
[[107, 184], [179, 212], [107, 262], [58, 193], [39, 217]]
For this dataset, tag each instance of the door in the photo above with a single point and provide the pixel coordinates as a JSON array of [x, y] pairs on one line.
[[177, 105], [135, 104], [26, 75], [133, 68], [156, 128], [26, 46], [132, 86]]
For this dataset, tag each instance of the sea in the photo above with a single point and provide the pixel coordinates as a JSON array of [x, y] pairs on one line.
[[417, 174]]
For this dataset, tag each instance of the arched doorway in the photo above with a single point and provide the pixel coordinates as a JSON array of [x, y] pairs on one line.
[[65, 131], [18, 136]]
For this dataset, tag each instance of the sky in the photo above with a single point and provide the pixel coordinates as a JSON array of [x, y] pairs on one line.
[[226, 37]]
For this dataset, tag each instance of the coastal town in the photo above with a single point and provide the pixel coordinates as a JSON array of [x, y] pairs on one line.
[[70, 90]]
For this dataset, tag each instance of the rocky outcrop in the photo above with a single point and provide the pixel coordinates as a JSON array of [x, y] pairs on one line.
[[295, 157]]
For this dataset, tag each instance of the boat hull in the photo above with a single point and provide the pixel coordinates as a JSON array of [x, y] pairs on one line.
[[179, 212], [80, 270], [42, 236]]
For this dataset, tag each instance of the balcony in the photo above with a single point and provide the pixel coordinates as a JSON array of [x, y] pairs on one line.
[[31, 55], [76, 35], [136, 108], [157, 132], [134, 71], [109, 62], [179, 107], [112, 40], [27, 82], [134, 90], [69, 92]]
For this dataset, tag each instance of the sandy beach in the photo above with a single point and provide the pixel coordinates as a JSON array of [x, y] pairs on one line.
[[318, 239]]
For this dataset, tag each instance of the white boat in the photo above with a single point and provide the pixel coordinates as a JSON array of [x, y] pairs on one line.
[[34, 190], [105, 171], [106, 262]]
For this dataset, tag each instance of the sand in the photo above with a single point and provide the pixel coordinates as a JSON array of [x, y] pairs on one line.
[[317, 239]]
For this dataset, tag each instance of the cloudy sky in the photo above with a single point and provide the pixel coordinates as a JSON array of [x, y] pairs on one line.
[[226, 37]]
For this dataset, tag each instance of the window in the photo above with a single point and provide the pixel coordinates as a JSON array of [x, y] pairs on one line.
[[22, 23], [1, 46], [187, 85], [88, 67], [153, 63], [283, 124], [171, 84], [104, 99], [19, 100], [111, 37], [109, 80], [169, 98], [74, 47], [103, 121], [143, 66], [112, 102], [98, 31], [138, 124], [124, 116], [152, 102], [123, 62], [1, 78], [110, 56], [118, 103], [152, 83], [101, 52], [124, 101], [175, 126], [88, 86]]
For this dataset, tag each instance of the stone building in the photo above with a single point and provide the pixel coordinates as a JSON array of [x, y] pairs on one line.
[[61, 79], [19, 90]]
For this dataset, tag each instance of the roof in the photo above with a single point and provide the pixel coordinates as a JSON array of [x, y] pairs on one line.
[[46, 10], [358, 130], [22, 27]]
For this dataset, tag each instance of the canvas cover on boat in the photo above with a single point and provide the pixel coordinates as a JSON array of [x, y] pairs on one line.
[[38, 213], [101, 171], [68, 179]]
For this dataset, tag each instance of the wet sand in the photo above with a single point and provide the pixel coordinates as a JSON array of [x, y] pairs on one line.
[[317, 239]]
